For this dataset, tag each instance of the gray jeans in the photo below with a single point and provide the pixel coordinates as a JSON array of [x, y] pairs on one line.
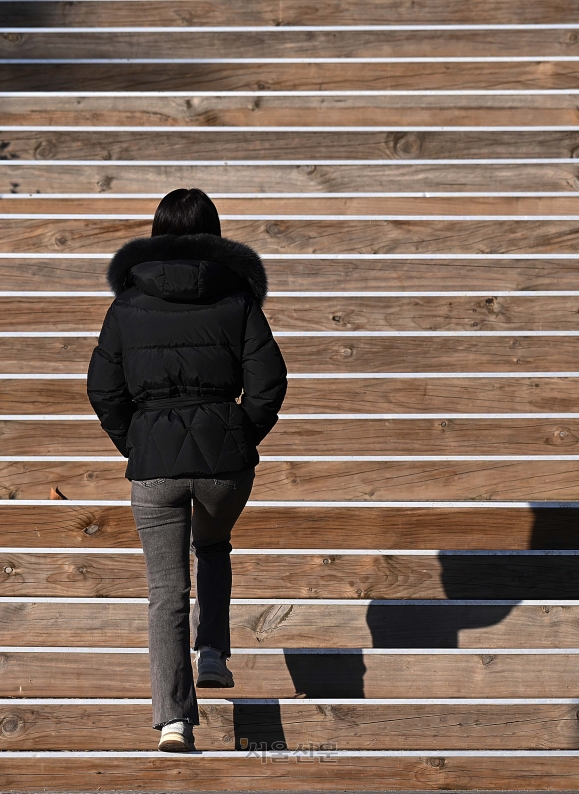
[[169, 534]]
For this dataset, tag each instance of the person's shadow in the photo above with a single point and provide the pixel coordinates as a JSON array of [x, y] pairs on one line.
[[465, 576]]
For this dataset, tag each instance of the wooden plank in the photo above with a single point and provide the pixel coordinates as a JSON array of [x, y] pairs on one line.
[[359, 675], [323, 575], [336, 481], [89, 527], [291, 110], [304, 205], [401, 177], [292, 12], [341, 314], [542, 74], [436, 436], [326, 274], [360, 395], [538, 43], [344, 726], [347, 354], [279, 236], [170, 773], [63, 773], [265, 145], [119, 625]]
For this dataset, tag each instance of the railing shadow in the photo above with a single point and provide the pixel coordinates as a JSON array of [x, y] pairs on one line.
[[464, 577]]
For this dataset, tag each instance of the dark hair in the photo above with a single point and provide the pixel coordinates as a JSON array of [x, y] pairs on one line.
[[186, 212]]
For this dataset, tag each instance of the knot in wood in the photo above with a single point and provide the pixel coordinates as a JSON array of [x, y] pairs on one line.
[[407, 145], [437, 763], [11, 724], [91, 529]]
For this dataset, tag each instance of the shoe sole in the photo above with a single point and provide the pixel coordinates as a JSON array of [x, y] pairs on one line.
[[214, 681], [173, 743]]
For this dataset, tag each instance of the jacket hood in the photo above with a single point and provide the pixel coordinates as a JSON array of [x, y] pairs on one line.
[[187, 267]]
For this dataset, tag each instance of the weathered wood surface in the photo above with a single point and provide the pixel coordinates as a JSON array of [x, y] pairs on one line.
[[271, 145], [193, 772], [292, 12], [540, 44], [89, 527], [119, 625], [341, 313], [327, 274], [359, 675], [331, 204], [543, 74], [279, 236], [340, 481], [323, 575], [344, 726], [361, 395], [294, 110], [436, 436], [392, 176]]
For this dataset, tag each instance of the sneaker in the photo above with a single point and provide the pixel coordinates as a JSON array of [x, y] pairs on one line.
[[212, 668], [176, 737]]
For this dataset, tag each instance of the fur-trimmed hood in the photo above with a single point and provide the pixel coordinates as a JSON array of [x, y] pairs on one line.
[[189, 266]]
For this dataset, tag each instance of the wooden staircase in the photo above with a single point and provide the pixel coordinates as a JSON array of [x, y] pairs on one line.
[[406, 610]]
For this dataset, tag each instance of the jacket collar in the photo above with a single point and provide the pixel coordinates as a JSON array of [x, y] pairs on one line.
[[195, 248]]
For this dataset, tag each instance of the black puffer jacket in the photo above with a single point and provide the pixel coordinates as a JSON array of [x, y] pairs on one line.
[[184, 336]]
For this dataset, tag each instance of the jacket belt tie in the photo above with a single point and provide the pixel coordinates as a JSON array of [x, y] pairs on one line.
[[181, 402]]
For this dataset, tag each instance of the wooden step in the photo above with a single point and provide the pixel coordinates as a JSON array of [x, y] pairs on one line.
[[342, 314], [127, 726], [366, 481], [328, 274], [397, 395], [262, 144], [419, 527], [287, 43], [407, 437], [543, 74], [104, 623], [301, 771], [202, 110], [374, 673], [394, 176], [56, 13], [322, 575], [466, 206]]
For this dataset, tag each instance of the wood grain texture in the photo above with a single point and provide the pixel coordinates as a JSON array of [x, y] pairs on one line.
[[297, 726], [541, 44], [359, 675], [89, 527], [331, 204], [363, 395], [279, 773], [349, 354], [394, 176], [341, 481], [353, 773], [119, 625], [436, 436], [292, 12], [325, 274], [342, 314], [543, 74], [265, 145], [323, 575], [291, 110]]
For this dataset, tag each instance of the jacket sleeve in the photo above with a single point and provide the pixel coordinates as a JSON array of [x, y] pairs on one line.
[[106, 385], [264, 374]]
